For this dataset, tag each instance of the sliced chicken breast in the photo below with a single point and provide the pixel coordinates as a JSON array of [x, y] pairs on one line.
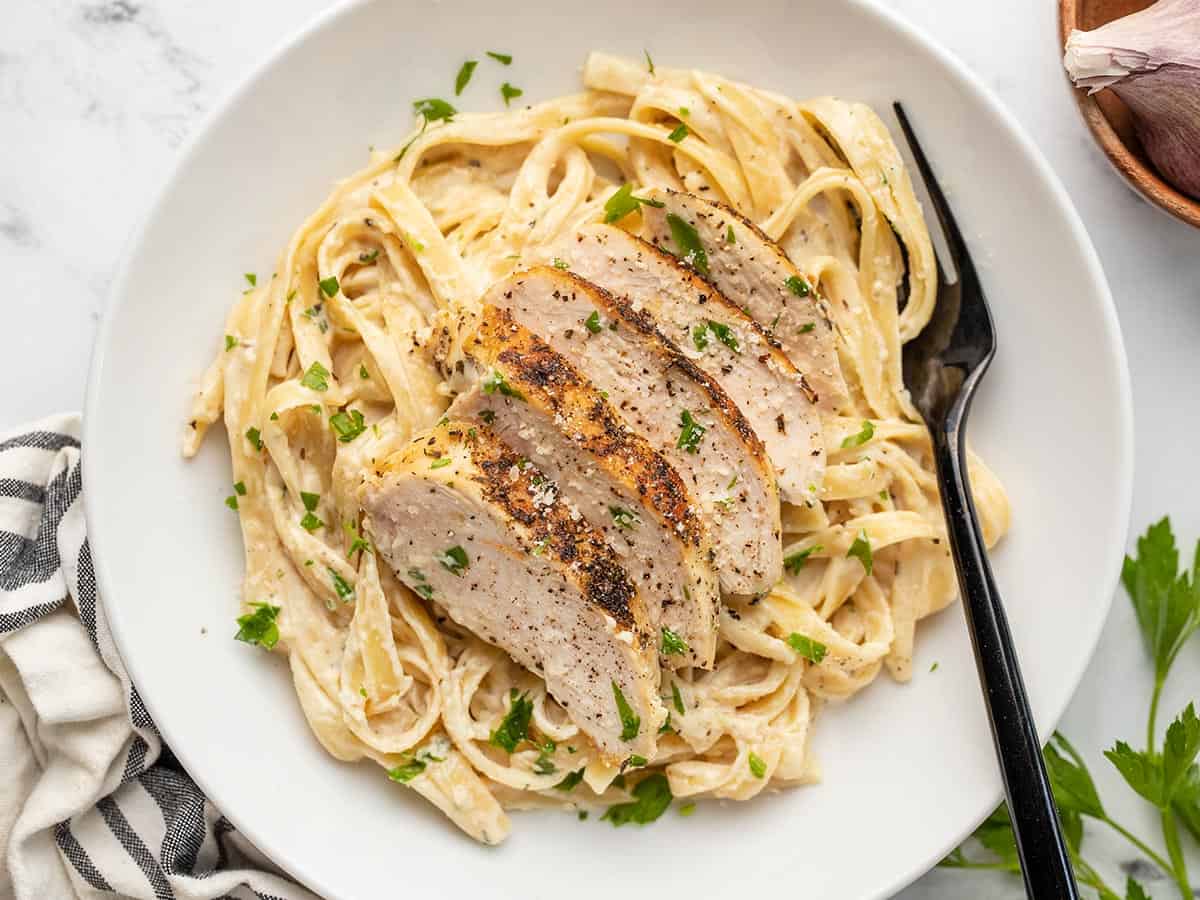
[[545, 409], [753, 272], [682, 412], [465, 521], [719, 338]]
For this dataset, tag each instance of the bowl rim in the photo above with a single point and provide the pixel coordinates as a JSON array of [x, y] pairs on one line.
[[298, 869], [1137, 174]]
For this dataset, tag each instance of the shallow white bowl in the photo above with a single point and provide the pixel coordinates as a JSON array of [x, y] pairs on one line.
[[908, 769]]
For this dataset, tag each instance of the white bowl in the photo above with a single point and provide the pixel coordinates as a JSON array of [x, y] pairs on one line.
[[908, 769]]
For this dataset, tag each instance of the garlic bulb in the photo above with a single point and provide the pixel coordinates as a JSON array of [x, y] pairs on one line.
[[1151, 60]]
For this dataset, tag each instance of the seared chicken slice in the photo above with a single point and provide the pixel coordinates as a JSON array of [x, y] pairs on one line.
[[753, 272], [682, 412], [545, 409], [465, 521], [719, 338]]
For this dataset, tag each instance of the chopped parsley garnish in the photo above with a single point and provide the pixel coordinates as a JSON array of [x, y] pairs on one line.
[[687, 239], [366, 258], [690, 433], [635, 762], [495, 383], [231, 502], [813, 651], [251, 279], [407, 772], [311, 523], [666, 727], [417, 246], [347, 426], [684, 111], [358, 544], [230, 342], [310, 501], [509, 93], [934, 667], [592, 322], [464, 75], [631, 722], [649, 62], [454, 560], [686, 809], [678, 134], [254, 436], [431, 109], [317, 377], [796, 561], [570, 781], [259, 627], [730, 238], [560, 263], [239, 488], [864, 434], [677, 698], [329, 286], [652, 797], [798, 286], [362, 372], [488, 416], [672, 644], [758, 766], [861, 548], [700, 336], [504, 59], [725, 335], [623, 518], [440, 462], [623, 202], [340, 586], [544, 765], [514, 727], [807, 327]]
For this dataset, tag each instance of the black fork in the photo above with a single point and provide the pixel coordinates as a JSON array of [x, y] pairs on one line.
[[942, 368]]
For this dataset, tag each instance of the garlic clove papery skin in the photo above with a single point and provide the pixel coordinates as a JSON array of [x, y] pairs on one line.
[[1151, 60]]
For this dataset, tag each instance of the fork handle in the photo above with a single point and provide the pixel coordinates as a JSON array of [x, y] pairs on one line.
[[1045, 861]]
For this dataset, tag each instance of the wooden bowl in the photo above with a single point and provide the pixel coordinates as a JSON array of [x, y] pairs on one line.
[[1109, 119]]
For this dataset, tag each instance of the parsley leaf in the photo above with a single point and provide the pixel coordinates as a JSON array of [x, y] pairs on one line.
[[502, 58], [570, 781], [623, 202], [495, 383], [861, 548], [592, 322], [514, 727], [796, 561], [623, 518], [340, 586], [441, 462], [311, 523], [687, 239], [1179, 750], [254, 436], [700, 336], [347, 426], [631, 722], [232, 502], [543, 765], [677, 698], [864, 434], [652, 797], [230, 342], [259, 627], [1167, 607], [649, 62], [431, 109], [678, 134], [813, 651], [1140, 769], [316, 377], [454, 560], [672, 644], [1186, 802], [1133, 890], [1074, 790], [807, 327], [730, 237], [407, 772], [239, 488], [725, 335], [687, 809], [690, 433], [329, 286], [509, 93], [758, 766], [798, 286], [464, 75], [251, 279], [309, 500]]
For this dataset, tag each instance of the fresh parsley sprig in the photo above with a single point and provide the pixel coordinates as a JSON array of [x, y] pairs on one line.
[[1167, 605]]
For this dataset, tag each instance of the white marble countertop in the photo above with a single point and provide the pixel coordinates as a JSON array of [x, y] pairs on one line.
[[96, 98]]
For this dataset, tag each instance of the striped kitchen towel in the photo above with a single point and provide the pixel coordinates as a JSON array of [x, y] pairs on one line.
[[92, 802]]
